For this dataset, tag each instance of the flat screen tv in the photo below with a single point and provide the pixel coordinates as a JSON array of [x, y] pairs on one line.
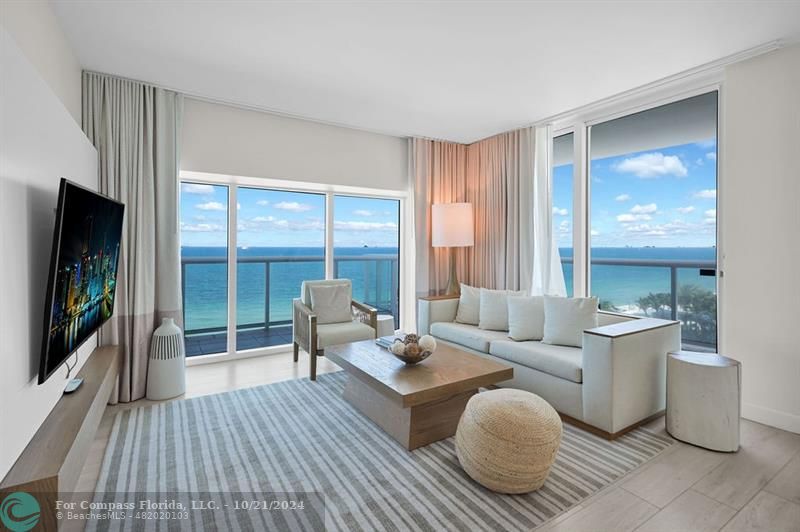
[[83, 272]]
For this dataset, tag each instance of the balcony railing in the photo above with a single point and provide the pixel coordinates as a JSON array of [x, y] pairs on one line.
[[685, 299], [374, 278]]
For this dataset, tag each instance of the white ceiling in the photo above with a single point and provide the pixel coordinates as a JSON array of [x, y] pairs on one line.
[[451, 70]]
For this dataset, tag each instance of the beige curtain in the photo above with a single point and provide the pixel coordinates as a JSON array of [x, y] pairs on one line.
[[495, 175], [136, 130]]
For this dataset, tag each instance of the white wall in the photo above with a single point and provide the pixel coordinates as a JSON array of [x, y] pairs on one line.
[[760, 233], [229, 140], [39, 143], [33, 25]]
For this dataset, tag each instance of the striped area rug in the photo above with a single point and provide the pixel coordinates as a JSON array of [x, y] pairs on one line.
[[301, 436]]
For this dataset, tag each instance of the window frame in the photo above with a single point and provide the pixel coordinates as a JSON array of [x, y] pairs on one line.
[[579, 123], [329, 191]]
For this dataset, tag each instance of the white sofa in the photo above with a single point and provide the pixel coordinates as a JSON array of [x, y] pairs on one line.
[[614, 382]]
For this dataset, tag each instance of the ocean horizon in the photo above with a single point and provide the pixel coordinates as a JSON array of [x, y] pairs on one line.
[[206, 284]]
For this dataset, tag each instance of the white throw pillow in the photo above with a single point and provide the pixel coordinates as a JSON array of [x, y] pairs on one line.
[[526, 317], [468, 305], [494, 309], [565, 319], [331, 303]]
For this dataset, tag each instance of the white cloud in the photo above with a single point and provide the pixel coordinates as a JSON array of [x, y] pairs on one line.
[[364, 226], [293, 206], [238, 205], [630, 218], [623, 197], [595, 232], [559, 212], [685, 210], [706, 144], [711, 213], [711, 156], [649, 165], [263, 202], [196, 188], [211, 206], [363, 212], [710, 193], [201, 228], [650, 208]]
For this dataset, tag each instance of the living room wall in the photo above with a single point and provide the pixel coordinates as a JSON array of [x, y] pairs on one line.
[[40, 142], [759, 199], [228, 140]]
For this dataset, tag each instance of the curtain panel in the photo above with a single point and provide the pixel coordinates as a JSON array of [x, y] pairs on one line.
[[136, 130], [507, 180]]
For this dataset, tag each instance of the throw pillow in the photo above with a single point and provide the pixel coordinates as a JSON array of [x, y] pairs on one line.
[[468, 305], [565, 319], [331, 303], [494, 309], [526, 317]]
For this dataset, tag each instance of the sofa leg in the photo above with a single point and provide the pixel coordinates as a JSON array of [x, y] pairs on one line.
[[296, 349], [313, 373]]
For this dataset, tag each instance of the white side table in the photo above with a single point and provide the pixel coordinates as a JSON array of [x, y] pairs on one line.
[[704, 399], [385, 325]]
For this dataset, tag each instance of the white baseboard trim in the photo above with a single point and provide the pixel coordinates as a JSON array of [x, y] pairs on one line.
[[773, 418]]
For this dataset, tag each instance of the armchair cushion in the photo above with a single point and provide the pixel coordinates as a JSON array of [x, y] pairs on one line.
[[305, 289], [342, 333], [467, 335], [331, 303]]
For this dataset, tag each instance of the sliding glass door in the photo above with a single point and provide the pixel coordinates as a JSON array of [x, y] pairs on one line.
[[653, 181], [277, 239], [280, 242]]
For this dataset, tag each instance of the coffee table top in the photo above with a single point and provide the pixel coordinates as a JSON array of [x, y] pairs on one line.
[[446, 372]]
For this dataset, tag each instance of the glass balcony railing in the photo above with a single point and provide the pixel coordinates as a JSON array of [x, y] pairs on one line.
[[682, 290], [267, 286]]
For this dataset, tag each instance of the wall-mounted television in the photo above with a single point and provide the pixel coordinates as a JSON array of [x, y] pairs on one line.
[[83, 272]]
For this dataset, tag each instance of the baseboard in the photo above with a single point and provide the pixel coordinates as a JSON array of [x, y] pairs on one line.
[[773, 418], [608, 435]]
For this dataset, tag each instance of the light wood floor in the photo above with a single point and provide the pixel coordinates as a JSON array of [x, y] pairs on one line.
[[684, 489]]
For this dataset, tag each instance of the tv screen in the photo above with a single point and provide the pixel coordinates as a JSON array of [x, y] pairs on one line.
[[83, 272]]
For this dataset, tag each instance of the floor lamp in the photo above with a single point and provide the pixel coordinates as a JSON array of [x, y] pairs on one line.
[[452, 227]]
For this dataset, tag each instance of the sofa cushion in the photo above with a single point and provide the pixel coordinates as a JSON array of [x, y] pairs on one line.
[[468, 305], [557, 360], [565, 319], [526, 317], [342, 333], [467, 335]]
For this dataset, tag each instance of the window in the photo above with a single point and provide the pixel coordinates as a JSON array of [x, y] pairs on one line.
[[366, 240], [204, 267], [562, 202], [280, 243], [653, 181], [280, 240]]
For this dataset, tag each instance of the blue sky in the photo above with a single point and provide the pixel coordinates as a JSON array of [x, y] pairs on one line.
[[664, 197], [270, 218]]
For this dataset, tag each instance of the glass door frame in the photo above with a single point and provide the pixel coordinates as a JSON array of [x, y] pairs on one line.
[[579, 123], [405, 263]]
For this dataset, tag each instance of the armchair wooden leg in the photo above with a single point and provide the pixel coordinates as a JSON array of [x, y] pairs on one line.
[[313, 357], [296, 349]]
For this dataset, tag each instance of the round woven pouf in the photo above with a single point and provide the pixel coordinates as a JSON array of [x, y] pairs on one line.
[[507, 440]]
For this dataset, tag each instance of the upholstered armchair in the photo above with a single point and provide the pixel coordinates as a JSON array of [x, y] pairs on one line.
[[314, 337]]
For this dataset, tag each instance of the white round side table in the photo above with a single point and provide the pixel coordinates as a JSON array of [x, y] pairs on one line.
[[704, 399]]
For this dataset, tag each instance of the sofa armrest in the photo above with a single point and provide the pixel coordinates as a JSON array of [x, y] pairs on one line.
[[435, 308], [624, 371]]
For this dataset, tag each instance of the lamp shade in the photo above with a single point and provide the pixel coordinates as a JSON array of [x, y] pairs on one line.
[[452, 225]]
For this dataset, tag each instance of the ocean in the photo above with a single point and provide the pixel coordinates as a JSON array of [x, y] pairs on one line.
[[372, 271]]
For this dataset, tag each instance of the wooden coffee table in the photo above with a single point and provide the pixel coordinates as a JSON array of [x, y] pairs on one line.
[[416, 405]]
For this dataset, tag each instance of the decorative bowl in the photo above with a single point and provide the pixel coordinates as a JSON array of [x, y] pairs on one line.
[[410, 360], [410, 351]]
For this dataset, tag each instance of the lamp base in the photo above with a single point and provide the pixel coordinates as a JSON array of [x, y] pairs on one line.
[[453, 286]]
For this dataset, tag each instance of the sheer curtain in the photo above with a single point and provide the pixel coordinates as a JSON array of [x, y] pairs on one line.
[[136, 130]]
